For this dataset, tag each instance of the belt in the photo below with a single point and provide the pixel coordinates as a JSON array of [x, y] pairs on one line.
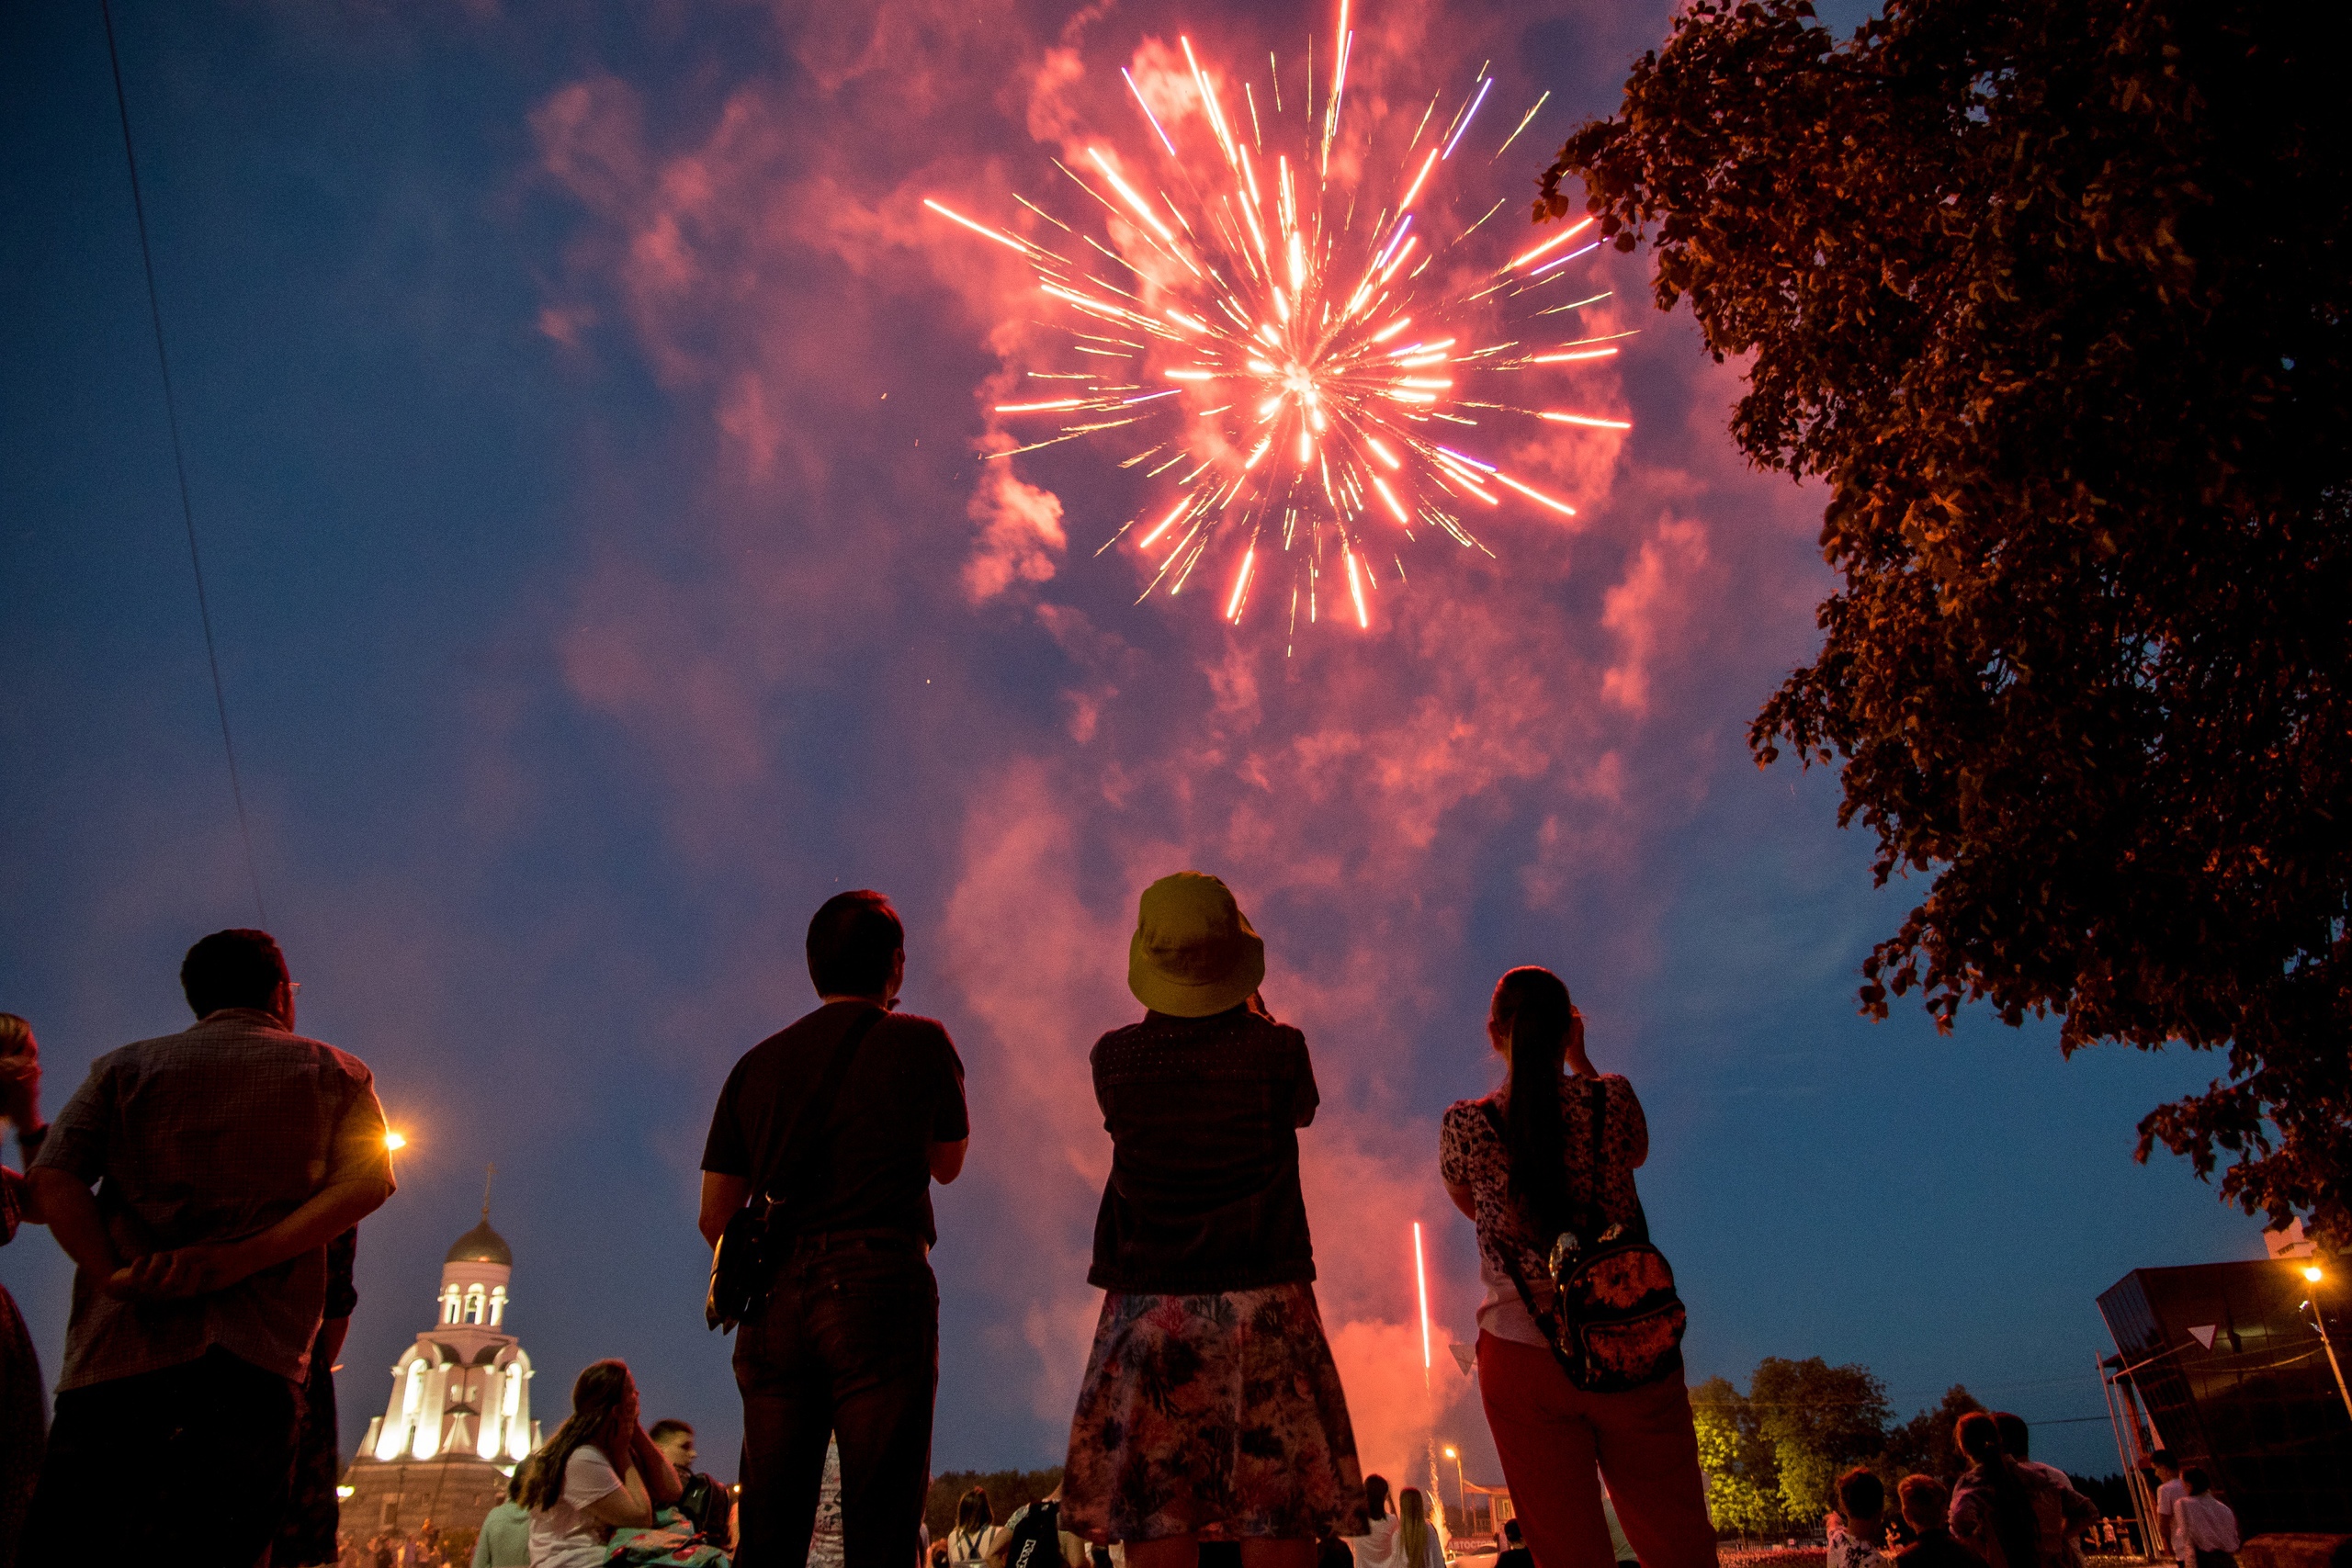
[[854, 1241]]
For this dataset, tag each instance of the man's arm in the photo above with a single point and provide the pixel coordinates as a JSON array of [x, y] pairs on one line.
[[662, 1479], [947, 1160], [215, 1266], [73, 1219], [722, 1196]]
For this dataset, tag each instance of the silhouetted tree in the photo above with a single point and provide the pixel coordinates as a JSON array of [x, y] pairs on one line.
[[1007, 1490], [2053, 300], [1923, 1445]]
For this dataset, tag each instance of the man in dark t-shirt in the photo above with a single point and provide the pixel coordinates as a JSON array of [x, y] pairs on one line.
[[836, 1127]]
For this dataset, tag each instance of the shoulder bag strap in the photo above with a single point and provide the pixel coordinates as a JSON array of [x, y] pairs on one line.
[[798, 1159], [1597, 1101]]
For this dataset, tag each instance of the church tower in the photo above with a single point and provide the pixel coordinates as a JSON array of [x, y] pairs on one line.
[[459, 1416]]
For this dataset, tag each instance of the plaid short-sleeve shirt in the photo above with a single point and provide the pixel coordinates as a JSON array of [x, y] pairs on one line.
[[212, 1135]]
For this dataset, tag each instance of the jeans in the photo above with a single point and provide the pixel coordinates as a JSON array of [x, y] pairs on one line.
[[1551, 1434], [188, 1466], [846, 1346]]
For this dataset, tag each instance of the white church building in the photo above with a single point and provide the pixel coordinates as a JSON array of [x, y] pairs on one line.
[[460, 1417]]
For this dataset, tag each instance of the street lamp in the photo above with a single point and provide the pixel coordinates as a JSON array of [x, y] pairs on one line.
[[1461, 1491], [2315, 1275]]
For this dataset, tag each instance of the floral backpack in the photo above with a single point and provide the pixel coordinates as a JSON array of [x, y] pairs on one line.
[[1616, 1322]]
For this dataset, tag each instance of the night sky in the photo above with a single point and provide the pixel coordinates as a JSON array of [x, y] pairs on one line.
[[580, 416]]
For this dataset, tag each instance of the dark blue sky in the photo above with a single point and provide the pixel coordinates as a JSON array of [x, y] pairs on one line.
[[587, 614]]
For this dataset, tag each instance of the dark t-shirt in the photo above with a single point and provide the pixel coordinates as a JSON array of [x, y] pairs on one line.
[[1203, 1116], [904, 1092], [1936, 1549]]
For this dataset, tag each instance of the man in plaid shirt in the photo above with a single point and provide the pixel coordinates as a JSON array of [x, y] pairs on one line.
[[230, 1155]]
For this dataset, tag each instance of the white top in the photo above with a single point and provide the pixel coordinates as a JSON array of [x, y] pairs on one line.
[[972, 1546], [2168, 1496], [2204, 1523], [562, 1536], [825, 1533], [1377, 1549]]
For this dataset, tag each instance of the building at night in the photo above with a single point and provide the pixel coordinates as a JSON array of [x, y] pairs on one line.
[[2223, 1364], [459, 1416]]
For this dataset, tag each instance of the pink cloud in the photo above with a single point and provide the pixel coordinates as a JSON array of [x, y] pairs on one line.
[[1651, 607], [1521, 725]]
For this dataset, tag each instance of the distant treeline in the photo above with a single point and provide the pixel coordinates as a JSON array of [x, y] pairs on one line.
[[1773, 1455], [1007, 1490]]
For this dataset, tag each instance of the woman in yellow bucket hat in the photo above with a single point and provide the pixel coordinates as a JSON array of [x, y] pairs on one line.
[[1211, 1409]]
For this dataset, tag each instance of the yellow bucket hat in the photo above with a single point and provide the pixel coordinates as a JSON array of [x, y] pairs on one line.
[[1193, 953]]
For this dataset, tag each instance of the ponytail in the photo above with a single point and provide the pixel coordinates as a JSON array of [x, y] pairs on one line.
[[2016, 1530], [1534, 1005]]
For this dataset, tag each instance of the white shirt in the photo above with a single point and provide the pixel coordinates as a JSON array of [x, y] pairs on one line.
[[563, 1536], [2168, 1496], [2202, 1522], [825, 1533], [1378, 1549]]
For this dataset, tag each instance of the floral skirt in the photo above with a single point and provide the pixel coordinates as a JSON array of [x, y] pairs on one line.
[[1217, 1416]]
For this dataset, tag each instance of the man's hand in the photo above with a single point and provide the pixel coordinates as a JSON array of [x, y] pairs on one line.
[[179, 1273], [20, 1088]]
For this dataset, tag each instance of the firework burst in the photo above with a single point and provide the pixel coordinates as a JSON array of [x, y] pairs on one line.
[[1294, 373]]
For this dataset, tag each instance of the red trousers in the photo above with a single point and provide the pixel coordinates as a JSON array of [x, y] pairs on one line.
[[1557, 1441]]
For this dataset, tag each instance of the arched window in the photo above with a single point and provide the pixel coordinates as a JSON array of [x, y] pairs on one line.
[[449, 1307], [474, 1304], [497, 1305]]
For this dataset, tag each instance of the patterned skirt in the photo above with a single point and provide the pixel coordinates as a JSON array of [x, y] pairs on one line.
[[1217, 1416]]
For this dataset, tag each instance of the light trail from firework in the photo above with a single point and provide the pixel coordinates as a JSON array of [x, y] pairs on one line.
[[1313, 392]]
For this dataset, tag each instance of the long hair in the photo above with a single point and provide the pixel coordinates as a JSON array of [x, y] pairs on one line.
[[973, 1516], [1375, 1496], [1535, 1005], [604, 1417], [1412, 1527], [2015, 1530]]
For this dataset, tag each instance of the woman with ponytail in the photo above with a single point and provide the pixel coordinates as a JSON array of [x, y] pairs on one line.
[[1524, 1163], [2012, 1515]]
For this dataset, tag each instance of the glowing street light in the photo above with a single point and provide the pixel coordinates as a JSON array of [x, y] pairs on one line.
[[1461, 1491], [2313, 1273], [395, 1140]]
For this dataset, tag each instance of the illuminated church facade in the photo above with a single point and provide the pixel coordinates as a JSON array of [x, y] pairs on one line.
[[459, 1416]]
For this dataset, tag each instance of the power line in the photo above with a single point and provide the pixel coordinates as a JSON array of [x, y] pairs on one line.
[[180, 463]]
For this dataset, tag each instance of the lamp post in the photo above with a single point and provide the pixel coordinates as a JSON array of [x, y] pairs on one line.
[[1461, 1491], [2317, 1276]]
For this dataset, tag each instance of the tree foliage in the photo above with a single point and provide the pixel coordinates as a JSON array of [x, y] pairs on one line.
[[1924, 1445], [1821, 1421], [1742, 1482], [2053, 299], [1006, 1489], [1773, 1455]]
